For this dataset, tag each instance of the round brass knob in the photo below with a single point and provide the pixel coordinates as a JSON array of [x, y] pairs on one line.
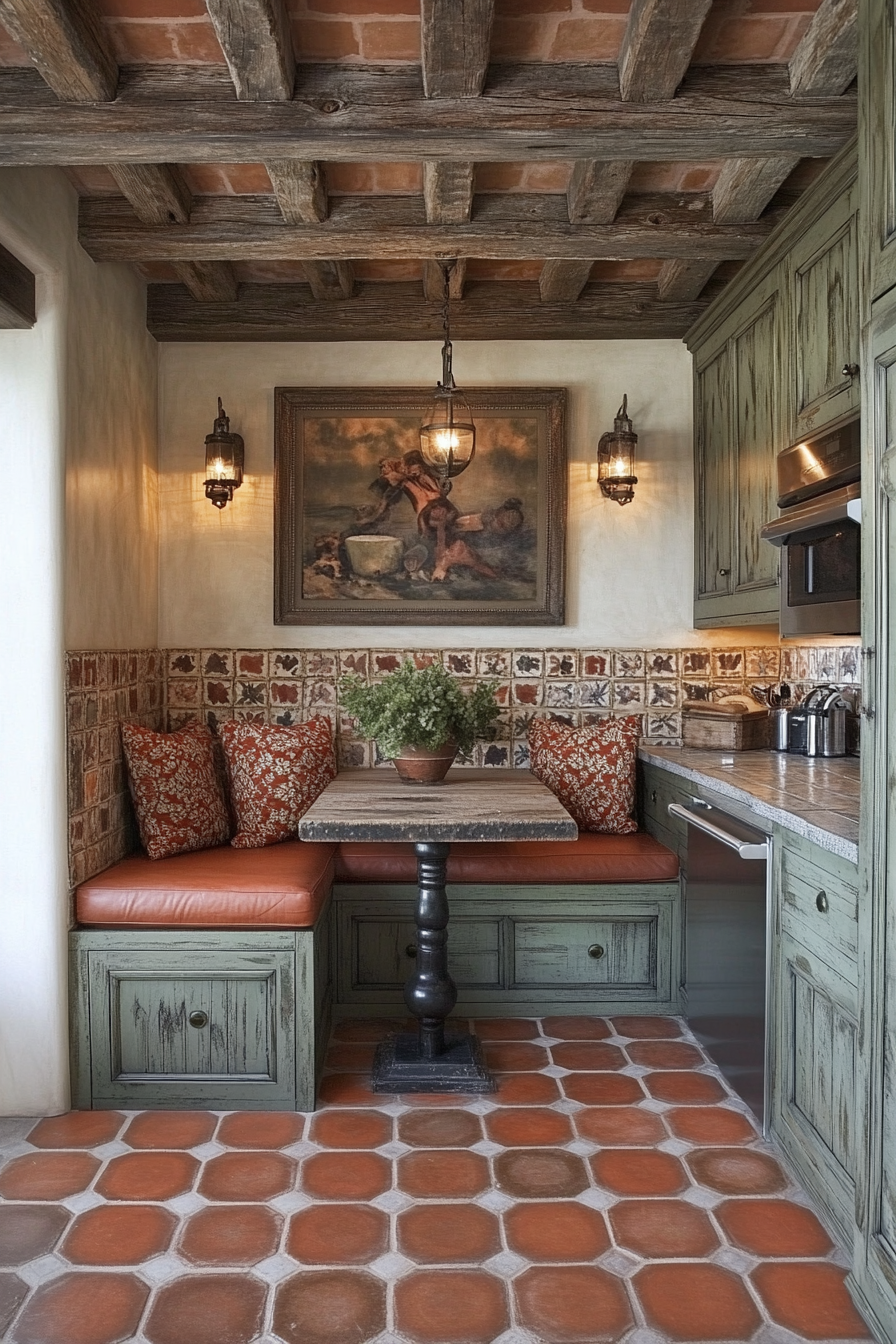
[[821, 902], [410, 950], [849, 370], [723, 572], [596, 951], [198, 1018]]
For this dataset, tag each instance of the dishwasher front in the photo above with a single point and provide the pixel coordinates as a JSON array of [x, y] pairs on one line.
[[727, 945]]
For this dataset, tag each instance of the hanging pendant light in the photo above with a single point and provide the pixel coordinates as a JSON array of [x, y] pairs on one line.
[[447, 432], [223, 461]]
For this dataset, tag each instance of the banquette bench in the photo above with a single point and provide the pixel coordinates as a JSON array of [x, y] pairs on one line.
[[210, 979]]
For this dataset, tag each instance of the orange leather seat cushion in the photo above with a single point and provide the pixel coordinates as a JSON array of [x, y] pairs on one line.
[[590, 858], [281, 886]]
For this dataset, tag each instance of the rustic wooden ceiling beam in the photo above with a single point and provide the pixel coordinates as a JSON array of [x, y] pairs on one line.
[[747, 113], [300, 188], [447, 192], [743, 190], [657, 47], [563, 281], [455, 39], [434, 279], [156, 191], [257, 46], [593, 196], [18, 296], [67, 43], [499, 310], [826, 60], [509, 227], [330, 280], [210, 282]]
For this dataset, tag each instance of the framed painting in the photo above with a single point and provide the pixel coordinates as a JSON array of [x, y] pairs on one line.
[[365, 533]]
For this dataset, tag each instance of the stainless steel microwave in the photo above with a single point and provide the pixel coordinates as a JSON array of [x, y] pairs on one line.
[[819, 535]]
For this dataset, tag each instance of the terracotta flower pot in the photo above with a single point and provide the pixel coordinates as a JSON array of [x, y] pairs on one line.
[[419, 765]]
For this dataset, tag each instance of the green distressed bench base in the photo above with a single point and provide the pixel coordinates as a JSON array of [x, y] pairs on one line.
[[267, 1001], [517, 950]]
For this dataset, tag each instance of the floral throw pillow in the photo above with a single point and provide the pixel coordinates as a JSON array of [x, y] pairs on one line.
[[591, 770], [177, 796], [275, 775]]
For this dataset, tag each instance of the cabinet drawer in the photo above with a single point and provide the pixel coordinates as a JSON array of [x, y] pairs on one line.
[[383, 952], [819, 907], [607, 953], [661, 789]]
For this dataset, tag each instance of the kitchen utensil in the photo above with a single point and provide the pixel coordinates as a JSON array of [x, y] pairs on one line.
[[781, 728]]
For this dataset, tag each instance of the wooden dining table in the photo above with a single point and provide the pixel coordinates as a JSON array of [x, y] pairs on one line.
[[483, 806]]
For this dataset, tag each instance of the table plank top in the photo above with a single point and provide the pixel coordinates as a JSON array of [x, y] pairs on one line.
[[470, 805]]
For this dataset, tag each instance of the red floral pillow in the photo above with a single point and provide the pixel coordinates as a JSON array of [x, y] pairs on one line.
[[275, 775], [591, 770], [177, 796]]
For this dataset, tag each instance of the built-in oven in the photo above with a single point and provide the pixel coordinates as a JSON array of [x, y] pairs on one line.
[[819, 493]]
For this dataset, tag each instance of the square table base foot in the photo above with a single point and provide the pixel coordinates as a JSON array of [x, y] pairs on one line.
[[399, 1067]]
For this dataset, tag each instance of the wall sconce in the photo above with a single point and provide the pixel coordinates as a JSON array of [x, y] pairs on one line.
[[616, 458], [223, 461], [447, 432]]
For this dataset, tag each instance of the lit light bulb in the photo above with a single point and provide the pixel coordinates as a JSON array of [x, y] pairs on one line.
[[217, 469], [619, 467]]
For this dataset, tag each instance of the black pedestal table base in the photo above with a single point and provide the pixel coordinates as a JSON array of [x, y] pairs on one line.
[[430, 1061]]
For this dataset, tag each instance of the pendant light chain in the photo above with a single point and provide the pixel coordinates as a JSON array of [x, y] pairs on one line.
[[447, 374]]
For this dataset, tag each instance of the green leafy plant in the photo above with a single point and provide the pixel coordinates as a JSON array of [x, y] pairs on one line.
[[419, 707]]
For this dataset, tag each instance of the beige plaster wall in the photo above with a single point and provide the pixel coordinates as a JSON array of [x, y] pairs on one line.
[[629, 570]]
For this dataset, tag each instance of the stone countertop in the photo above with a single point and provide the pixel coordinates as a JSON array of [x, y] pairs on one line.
[[816, 797], [470, 805]]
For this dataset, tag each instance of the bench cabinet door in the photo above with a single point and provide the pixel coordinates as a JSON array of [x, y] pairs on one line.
[[615, 955], [381, 952], [192, 1027]]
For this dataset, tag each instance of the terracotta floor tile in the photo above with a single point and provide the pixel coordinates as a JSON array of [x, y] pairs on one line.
[[140, 1176], [448, 1234], [261, 1129], [351, 1056], [47, 1175], [573, 1304], [603, 1089], [576, 1028], [77, 1129], [588, 1056], [351, 1129], [207, 1309], [665, 1054], [686, 1088], [526, 1089], [696, 1302], [247, 1176], [444, 1174], [646, 1028], [710, 1124], [96, 1308], [737, 1171], [440, 1129], [556, 1230], [338, 1234], [118, 1234], [663, 1229], [13, 1292], [451, 1307], [638, 1171], [620, 1126], [231, 1236], [170, 1129], [505, 1028], [437, 1100], [368, 1028], [29, 1230], [333, 1306], [346, 1089], [529, 1125], [345, 1175], [773, 1227], [540, 1173], [810, 1299], [515, 1056]]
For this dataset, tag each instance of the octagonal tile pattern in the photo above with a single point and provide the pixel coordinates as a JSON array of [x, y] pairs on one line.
[[612, 1189]]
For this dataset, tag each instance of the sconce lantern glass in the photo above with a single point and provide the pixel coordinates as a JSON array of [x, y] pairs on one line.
[[447, 431], [616, 458], [223, 461]]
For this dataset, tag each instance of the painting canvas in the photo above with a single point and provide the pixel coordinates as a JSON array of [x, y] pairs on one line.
[[367, 533]]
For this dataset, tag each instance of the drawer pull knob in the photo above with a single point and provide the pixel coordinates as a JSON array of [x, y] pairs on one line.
[[724, 572], [198, 1018], [849, 370], [596, 951], [410, 950], [821, 902]]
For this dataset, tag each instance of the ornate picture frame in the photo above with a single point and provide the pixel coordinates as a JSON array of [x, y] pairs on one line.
[[366, 534]]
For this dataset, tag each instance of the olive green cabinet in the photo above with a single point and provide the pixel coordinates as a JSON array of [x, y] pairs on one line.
[[877, 141]]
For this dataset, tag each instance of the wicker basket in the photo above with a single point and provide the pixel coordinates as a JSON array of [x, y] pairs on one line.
[[715, 729]]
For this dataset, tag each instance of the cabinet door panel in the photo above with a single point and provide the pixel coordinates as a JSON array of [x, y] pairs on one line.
[[556, 952], [383, 952], [757, 376], [714, 478], [826, 321]]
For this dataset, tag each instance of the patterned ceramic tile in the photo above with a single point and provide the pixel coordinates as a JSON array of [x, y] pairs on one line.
[[695, 662], [181, 663], [697, 690], [285, 693], [250, 692], [320, 663], [319, 694], [460, 662], [558, 694], [728, 663], [850, 664], [216, 663], [382, 662], [493, 663], [662, 663], [596, 694], [664, 726], [627, 693], [762, 663], [250, 663], [216, 692], [354, 661], [286, 663], [561, 663], [628, 663], [185, 693], [596, 663], [528, 692], [528, 663], [663, 694]]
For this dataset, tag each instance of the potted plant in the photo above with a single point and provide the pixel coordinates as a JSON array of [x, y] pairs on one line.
[[420, 717]]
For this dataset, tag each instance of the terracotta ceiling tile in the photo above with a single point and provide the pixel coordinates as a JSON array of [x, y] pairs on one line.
[[247, 179], [746, 38], [398, 179], [513, 9], [396, 40], [350, 179], [521, 39], [320, 40], [702, 177], [503, 270], [364, 8], [500, 176], [92, 180], [194, 43], [597, 39], [388, 270], [548, 177], [782, 6], [207, 179], [614, 272], [151, 9], [607, 6], [10, 51]]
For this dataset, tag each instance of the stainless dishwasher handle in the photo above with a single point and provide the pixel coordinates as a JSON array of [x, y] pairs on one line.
[[745, 848]]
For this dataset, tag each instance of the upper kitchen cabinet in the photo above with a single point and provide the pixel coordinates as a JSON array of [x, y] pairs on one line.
[[769, 356], [877, 140]]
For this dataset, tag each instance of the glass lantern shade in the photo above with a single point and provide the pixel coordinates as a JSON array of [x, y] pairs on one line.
[[447, 433], [616, 459], [224, 453]]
